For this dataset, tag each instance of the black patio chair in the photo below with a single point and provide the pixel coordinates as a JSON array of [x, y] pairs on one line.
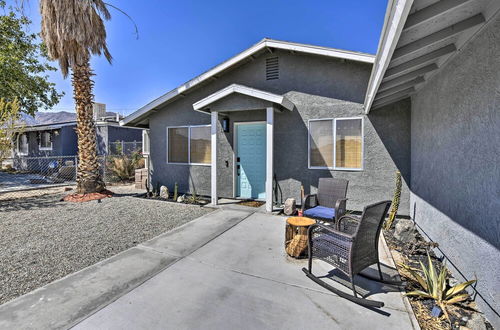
[[350, 248], [330, 201]]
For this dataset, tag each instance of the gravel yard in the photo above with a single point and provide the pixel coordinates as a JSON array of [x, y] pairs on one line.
[[43, 239]]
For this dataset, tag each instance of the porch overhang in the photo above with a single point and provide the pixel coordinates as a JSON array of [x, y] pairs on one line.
[[418, 39], [237, 97]]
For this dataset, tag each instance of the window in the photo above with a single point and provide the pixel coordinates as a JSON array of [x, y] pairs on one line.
[[45, 141], [348, 143], [200, 145], [321, 139], [145, 142], [336, 144], [22, 144], [189, 145]]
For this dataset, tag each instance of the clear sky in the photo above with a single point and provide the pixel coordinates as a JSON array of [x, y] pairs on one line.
[[180, 39]]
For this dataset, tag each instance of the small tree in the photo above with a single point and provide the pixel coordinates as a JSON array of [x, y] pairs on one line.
[[23, 64], [10, 113]]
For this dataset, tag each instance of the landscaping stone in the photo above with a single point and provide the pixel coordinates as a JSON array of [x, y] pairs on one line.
[[405, 230], [476, 322], [164, 192]]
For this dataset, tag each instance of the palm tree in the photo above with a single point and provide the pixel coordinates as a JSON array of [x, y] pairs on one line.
[[73, 30]]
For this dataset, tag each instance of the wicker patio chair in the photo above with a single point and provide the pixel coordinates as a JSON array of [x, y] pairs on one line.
[[352, 247], [330, 201]]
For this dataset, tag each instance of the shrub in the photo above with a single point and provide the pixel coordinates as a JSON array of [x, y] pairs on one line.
[[123, 167]]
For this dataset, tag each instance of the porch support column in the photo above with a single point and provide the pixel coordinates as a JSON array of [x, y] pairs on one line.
[[213, 174], [269, 158]]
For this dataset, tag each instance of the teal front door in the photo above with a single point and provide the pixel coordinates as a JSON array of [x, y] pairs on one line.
[[251, 160]]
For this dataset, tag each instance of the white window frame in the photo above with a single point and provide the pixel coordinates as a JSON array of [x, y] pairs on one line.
[[334, 130], [146, 142], [40, 143], [189, 145], [19, 152]]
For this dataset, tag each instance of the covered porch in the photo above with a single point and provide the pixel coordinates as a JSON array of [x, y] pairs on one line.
[[242, 146]]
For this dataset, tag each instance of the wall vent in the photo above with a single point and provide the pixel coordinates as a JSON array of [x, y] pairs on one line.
[[272, 68]]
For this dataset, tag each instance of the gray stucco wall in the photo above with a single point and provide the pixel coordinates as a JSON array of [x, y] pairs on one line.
[[321, 88], [386, 150], [455, 157]]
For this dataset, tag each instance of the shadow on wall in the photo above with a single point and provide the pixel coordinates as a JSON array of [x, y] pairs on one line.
[[392, 134]]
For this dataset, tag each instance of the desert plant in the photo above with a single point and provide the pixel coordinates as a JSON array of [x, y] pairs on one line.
[[123, 167], [395, 202], [435, 286], [176, 191]]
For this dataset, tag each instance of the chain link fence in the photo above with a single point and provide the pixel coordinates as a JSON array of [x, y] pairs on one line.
[[32, 176], [124, 148]]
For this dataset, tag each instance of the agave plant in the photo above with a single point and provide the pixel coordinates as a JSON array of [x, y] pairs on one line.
[[435, 285]]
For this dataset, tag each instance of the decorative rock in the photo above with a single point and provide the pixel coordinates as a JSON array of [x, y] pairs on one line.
[[290, 206], [181, 199], [405, 230], [164, 192], [476, 322]]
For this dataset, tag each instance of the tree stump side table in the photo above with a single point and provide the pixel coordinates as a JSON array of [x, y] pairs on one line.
[[296, 236]]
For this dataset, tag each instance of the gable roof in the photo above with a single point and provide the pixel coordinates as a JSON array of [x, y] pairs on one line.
[[136, 116], [245, 90]]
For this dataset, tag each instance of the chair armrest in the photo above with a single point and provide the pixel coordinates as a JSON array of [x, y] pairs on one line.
[[340, 207], [307, 201], [345, 217], [331, 231]]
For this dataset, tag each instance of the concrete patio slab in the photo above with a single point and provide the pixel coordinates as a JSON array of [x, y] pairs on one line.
[[183, 240], [242, 279], [193, 295]]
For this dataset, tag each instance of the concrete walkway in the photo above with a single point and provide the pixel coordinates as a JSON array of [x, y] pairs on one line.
[[225, 270]]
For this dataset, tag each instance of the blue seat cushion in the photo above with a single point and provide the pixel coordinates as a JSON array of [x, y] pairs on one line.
[[320, 212]]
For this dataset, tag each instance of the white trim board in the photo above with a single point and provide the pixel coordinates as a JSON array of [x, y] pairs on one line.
[[263, 44], [395, 19], [245, 90]]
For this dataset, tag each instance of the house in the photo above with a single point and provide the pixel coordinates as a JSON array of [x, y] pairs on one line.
[[282, 113], [244, 125], [60, 139]]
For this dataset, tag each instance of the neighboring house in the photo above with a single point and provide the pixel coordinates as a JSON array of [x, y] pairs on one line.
[[426, 105], [60, 139]]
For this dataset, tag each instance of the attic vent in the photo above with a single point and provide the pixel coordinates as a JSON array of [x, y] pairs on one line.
[[272, 68]]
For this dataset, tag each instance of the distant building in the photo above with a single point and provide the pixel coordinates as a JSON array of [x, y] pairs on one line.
[[60, 139]]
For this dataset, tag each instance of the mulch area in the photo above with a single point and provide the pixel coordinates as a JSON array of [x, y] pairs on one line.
[[411, 254], [80, 198], [252, 203]]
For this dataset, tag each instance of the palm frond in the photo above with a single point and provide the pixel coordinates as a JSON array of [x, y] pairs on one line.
[[73, 30]]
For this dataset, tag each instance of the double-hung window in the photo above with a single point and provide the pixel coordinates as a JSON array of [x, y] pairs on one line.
[[189, 145], [45, 141], [336, 144]]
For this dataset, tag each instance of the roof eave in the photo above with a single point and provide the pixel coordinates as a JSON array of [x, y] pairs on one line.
[[396, 14], [264, 43]]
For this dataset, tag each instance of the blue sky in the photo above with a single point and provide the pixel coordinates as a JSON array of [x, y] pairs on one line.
[[180, 39]]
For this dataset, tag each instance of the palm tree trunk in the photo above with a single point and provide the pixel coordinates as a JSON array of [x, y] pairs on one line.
[[88, 178]]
